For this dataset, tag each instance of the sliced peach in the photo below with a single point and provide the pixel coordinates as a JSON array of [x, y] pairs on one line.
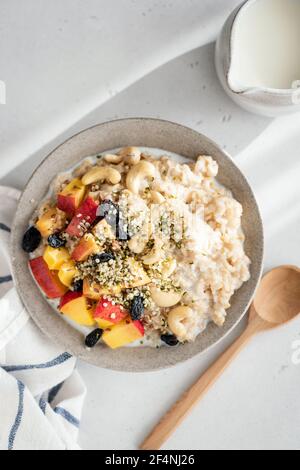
[[56, 257], [84, 217], [78, 308], [71, 197], [85, 248], [69, 297], [47, 280], [107, 314], [123, 333], [53, 220], [67, 273], [96, 292]]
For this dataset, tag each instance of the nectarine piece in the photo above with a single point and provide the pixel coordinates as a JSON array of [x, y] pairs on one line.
[[47, 280], [78, 308], [96, 292], [85, 248], [84, 217], [69, 297], [123, 333], [107, 314], [71, 197], [56, 257], [53, 220], [67, 273]]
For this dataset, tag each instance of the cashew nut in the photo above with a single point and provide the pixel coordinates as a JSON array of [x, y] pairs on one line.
[[114, 159], [156, 197], [168, 268], [156, 254], [101, 173], [183, 322], [138, 173], [131, 155], [165, 299]]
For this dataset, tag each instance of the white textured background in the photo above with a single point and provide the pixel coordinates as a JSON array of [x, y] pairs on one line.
[[69, 64]]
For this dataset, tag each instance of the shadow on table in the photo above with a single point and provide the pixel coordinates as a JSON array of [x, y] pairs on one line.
[[185, 90], [188, 91]]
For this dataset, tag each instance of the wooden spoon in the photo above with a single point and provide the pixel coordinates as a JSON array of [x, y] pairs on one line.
[[277, 301]]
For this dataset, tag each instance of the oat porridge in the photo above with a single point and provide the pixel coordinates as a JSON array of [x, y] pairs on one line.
[[137, 249]]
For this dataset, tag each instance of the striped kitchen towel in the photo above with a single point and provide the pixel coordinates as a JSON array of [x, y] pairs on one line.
[[41, 393]]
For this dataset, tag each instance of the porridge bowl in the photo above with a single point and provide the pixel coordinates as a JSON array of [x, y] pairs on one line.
[[107, 290]]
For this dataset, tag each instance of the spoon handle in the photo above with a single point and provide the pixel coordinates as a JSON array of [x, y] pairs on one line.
[[186, 403]]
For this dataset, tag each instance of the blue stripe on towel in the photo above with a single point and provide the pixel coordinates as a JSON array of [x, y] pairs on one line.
[[67, 416], [55, 362], [17, 423], [4, 279], [54, 392], [4, 227], [43, 405]]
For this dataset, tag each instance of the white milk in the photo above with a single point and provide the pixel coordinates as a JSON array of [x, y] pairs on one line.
[[266, 46]]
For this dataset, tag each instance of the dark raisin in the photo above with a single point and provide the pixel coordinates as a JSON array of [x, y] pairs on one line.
[[31, 240], [93, 338], [170, 340], [77, 286], [102, 258], [137, 308], [56, 241]]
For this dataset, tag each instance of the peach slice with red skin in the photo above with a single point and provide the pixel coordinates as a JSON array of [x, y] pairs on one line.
[[67, 273], [107, 314], [85, 248], [125, 332], [71, 197], [69, 297], [53, 220], [46, 279], [96, 292], [56, 257], [78, 308], [85, 214]]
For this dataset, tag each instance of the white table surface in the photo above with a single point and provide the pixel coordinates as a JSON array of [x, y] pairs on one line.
[[256, 404]]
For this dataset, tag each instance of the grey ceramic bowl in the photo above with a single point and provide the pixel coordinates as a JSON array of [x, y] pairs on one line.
[[147, 133]]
